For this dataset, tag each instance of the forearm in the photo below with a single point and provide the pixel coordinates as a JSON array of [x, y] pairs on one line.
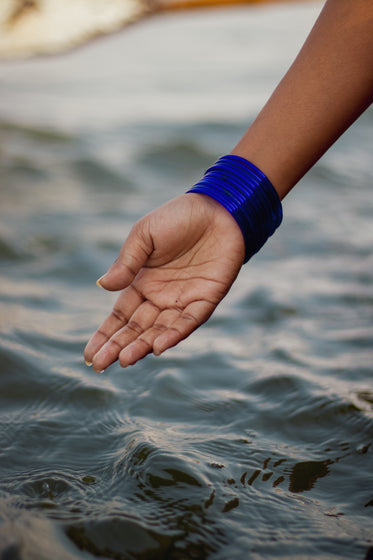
[[327, 87]]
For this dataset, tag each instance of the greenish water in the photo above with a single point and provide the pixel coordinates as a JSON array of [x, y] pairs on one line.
[[253, 438]]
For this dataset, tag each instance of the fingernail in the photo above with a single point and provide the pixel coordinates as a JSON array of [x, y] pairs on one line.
[[88, 363], [98, 282], [159, 351]]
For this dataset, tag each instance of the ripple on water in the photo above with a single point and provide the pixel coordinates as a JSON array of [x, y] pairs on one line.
[[94, 174], [253, 439], [60, 491]]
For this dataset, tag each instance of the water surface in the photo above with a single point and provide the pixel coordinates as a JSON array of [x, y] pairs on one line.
[[253, 438]]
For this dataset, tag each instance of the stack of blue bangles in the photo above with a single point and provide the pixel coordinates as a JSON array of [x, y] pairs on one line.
[[247, 194]]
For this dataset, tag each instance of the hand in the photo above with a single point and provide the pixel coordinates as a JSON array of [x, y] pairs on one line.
[[176, 265]]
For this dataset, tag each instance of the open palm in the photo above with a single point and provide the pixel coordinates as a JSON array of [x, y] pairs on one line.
[[174, 268]]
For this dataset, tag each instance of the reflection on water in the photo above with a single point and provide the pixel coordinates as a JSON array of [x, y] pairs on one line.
[[304, 475], [253, 438]]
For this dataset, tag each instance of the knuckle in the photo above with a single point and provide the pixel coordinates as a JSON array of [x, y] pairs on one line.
[[119, 315], [160, 327], [144, 342], [115, 343], [190, 318], [134, 327], [176, 330], [103, 334]]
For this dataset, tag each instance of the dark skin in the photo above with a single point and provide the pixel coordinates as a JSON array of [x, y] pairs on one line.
[[173, 278], [180, 260]]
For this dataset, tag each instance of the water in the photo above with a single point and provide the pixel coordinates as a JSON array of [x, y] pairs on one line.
[[253, 438]]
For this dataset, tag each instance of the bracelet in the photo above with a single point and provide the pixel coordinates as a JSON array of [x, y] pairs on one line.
[[247, 194]]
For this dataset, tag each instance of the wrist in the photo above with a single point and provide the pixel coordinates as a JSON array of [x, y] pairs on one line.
[[247, 194]]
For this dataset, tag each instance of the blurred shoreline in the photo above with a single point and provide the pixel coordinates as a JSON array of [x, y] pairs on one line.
[[40, 27], [162, 71]]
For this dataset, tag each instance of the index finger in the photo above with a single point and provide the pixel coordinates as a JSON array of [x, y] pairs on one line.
[[125, 306]]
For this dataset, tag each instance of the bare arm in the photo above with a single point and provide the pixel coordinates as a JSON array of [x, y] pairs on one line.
[[327, 87], [179, 261]]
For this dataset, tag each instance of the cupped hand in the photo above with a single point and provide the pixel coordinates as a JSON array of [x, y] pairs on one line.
[[176, 265]]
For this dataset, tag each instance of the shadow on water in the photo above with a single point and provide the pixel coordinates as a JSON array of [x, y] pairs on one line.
[[304, 475], [109, 539]]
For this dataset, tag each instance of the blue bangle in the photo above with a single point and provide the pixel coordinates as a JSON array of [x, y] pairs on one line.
[[247, 194]]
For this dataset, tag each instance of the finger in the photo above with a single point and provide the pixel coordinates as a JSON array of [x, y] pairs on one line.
[[171, 327], [126, 304], [143, 344], [194, 315], [141, 320], [132, 257]]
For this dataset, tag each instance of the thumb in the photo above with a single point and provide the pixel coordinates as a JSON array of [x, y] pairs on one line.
[[132, 257]]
